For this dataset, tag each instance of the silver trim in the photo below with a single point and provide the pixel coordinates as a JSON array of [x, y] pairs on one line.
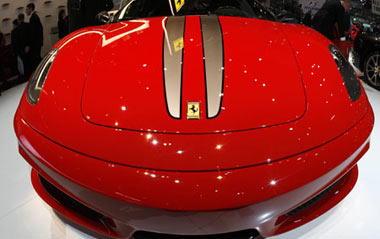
[[174, 30], [214, 63]]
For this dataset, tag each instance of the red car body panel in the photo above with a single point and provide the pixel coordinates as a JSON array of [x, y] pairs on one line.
[[330, 112], [107, 176], [114, 209], [102, 128], [225, 189], [251, 79]]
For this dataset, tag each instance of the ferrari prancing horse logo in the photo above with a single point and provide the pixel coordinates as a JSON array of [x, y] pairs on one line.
[[193, 110], [178, 44], [179, 4]]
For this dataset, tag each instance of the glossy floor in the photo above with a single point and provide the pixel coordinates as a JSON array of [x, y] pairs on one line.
[[23, 215]]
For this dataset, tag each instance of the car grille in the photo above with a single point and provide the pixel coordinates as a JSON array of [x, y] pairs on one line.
[[70, 203], [99, 219], [312, 201]]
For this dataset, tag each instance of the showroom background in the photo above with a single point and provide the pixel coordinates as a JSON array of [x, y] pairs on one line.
[[47, 10]]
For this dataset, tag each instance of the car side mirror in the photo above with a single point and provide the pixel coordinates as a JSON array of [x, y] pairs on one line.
[[102, 18]]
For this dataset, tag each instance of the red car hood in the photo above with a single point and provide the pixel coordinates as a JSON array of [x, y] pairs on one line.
[[257, 79]]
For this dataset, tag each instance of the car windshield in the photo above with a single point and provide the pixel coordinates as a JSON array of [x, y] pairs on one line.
[[157, 8]]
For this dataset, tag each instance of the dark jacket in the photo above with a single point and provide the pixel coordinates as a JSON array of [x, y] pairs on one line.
[[36, 31], [20, 38], [307, 19], [73, 9], [90, 8], [63, 27], [324, 21]]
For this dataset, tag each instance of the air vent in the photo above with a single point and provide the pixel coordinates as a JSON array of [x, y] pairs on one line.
[[312, 201], [246, 234]]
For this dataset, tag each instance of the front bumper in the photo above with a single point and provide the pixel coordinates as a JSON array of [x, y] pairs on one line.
[[78, 175]]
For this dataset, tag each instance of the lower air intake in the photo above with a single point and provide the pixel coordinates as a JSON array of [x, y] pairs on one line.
[[246, 234], [312, 201]]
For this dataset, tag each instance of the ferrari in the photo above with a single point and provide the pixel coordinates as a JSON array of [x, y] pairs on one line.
[[193, 118]]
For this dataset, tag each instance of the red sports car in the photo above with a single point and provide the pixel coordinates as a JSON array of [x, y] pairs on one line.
[[193, 117]]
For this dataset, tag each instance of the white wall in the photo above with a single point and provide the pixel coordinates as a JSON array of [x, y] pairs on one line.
[[43, 10], [311, 5]]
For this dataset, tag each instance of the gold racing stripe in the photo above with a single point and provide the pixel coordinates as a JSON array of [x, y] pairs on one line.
[[172, 63], [214, 63]]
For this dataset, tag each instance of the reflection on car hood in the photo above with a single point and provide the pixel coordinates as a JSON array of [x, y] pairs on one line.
[[193, 75]]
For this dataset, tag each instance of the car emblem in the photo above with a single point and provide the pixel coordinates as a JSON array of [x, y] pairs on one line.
[[193, 110], [179, 4], [178, 44]]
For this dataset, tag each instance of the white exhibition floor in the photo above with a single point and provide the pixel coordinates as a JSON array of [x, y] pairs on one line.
[[23, 215]]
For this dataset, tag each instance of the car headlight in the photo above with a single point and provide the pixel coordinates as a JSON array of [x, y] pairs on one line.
[[40, 75], [348, 74]]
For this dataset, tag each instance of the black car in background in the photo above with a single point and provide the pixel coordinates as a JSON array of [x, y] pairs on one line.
[[367, 45]]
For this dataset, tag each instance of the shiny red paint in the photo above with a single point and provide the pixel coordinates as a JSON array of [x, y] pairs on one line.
[[327, 100], [292, 132], [225, 189], [256, 83], [112, 208]]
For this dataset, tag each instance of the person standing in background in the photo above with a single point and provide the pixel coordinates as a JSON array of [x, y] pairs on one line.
[[36, 37], [307, 19], [20, 42], [63, 25], [294, 9], [2, 58], [5, 70], [13, 36], [90, 8], [73, 9], [332, 11], [14, 39]]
